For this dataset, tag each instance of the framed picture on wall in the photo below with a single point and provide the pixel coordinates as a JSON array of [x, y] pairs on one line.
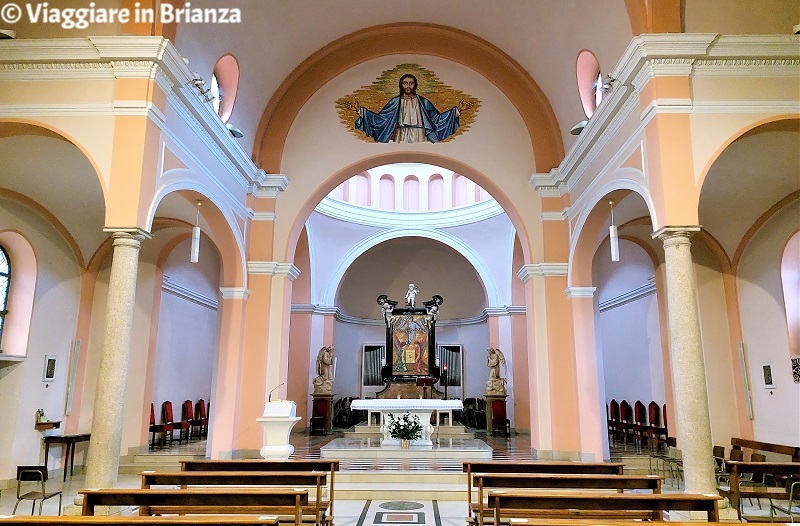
[[49, 373]]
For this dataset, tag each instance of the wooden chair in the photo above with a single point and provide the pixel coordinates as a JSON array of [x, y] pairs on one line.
[[500, 423], [166, 417], [34, 474], [165, 430], [614, 423], [626, 421]]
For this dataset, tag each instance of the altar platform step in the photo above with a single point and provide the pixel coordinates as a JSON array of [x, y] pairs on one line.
[[366, 431], [168, 459], [370, 448], [401, 485]]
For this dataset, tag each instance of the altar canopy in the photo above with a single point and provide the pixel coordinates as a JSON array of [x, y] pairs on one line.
[[421, 407]]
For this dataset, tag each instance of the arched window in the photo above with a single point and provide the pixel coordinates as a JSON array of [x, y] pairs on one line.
[[224, 85], [5, 281], [790, 280]]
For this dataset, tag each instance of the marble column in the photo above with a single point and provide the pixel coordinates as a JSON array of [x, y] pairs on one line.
[[688, 367], [104, 446]]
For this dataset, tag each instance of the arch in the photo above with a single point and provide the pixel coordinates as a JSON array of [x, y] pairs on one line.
[[24, 273], [751, 232], [790, 283], [436, 192], [363, 195], [222, 222], [32, 127], [409, 38], [418, 157], [386, 192], [580, 251], [490, 287], [411, 194], [739, 133]]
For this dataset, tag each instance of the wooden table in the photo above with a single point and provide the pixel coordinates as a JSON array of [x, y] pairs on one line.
[[69, 442]]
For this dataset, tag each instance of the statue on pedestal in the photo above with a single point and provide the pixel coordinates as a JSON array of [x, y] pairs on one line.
[[496, 386], [323, 383], [411, 295]]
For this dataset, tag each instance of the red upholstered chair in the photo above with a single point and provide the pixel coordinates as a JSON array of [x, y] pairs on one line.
[[200, 420], [626, 421], [165, 430], [166, 416], [614, 423], [500, 423]]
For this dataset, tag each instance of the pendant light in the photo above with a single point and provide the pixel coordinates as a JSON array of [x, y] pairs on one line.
[[195, 252], [612, 235]]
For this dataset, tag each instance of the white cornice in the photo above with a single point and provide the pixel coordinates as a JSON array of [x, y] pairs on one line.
[[361, 215], [556, 216], [273, 268], [631, 295], [234, 293], [539, 270], [667, 55], [182, 292], [125, 57], [580, 292], [261, 216]]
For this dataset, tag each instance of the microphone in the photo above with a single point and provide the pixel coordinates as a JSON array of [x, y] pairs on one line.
[[269, 398]]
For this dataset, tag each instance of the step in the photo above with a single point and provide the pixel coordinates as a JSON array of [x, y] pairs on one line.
[[401, 485]]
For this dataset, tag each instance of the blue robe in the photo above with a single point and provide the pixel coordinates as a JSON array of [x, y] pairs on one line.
[[381, 126]]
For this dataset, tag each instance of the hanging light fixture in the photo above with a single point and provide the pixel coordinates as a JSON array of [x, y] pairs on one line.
[[612, 235], [195, 252]]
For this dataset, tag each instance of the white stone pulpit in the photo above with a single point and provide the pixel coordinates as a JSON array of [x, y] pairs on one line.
[[278, 420]]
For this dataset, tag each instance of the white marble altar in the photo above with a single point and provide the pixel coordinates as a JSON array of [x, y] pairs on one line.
[[422, 408]]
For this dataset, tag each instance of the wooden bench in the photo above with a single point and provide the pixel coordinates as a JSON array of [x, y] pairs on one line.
[[199, 501], [330, 466], [537, 466], [558, 481], [210, 520], [307, 479], [507, 505], [792, 451], [737, 491]]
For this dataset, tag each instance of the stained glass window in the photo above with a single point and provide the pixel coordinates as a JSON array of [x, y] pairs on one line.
[[5, 280]]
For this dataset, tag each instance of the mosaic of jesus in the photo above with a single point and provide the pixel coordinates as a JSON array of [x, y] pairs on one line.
[[408, 117]]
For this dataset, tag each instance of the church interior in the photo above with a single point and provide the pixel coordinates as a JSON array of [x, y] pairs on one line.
[[590, 206]]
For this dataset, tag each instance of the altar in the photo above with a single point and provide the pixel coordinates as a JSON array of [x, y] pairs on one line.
[[422, 408]]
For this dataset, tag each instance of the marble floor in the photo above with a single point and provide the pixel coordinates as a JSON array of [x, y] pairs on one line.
[[357, 512]]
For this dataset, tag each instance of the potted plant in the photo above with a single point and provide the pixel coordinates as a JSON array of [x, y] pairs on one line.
[[405, 428]]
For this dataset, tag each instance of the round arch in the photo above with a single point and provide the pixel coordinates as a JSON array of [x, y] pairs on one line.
[[418, 157], [229, 241], [587, 227], [416, 39], [490, 287]]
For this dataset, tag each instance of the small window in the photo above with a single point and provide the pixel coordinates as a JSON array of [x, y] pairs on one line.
[[5, 281], [598, 89], [226, 79], [590, 81]]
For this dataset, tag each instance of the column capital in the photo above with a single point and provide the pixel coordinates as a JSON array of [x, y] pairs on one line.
[[580, 292], [667, 233], [130, 237], [234, 293]]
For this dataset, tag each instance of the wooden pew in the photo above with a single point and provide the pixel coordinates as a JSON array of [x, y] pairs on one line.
[[331, 466], [736, 491], [308, 479], [558, 481], [792, 451], [508, 505], [536, 466], [199, 501], [211, 520]]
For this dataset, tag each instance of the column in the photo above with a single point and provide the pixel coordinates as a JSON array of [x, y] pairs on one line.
[[688, 368], [104, 447]]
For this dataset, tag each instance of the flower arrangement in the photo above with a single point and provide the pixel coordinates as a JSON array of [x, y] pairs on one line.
[[404, 427]]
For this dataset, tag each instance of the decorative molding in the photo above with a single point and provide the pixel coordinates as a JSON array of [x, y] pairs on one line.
[[631, 295], [542, 270], [269, 185], [362, 215], [755, 46], [234, 293], [556, 216], [662, 67], [56, 71], [505, 310], [273, 268], [131, 230], [746, 68], [261, 216], [580, 292], [182, 292]]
